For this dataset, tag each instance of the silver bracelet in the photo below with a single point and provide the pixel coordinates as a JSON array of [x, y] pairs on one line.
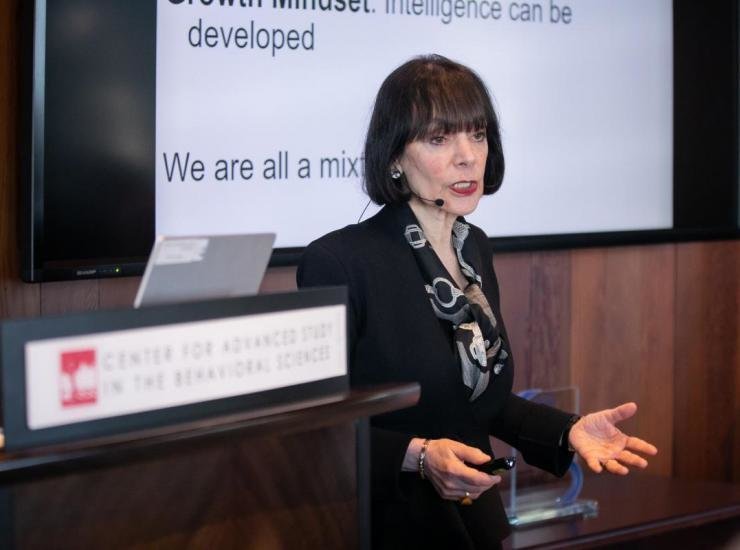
[[422, 456]]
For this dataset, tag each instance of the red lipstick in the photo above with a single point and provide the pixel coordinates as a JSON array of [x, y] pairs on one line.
[[465, 191]]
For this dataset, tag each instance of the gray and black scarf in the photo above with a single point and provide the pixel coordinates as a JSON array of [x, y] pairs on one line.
[[477, 341]]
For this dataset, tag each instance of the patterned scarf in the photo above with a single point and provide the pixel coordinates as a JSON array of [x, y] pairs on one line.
[[476, 338]]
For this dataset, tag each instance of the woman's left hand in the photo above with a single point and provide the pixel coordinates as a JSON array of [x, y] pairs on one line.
[[602, 445]]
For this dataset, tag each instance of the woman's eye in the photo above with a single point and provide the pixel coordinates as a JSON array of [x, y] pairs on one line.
[[479, 136], [437, 140]]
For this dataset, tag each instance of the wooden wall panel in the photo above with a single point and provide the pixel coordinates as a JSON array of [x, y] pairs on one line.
[[622, 337], [279, 279], [707, 360], [735, 420], [116, 293], [549, 321], [16, 298], [535, 303], [656, 357], [736, 427], [69, 296], [515, 284]]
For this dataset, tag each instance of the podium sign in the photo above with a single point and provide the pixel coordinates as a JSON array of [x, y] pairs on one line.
[[104, 373]]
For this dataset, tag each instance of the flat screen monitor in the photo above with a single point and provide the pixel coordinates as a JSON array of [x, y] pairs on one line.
[[185, 117]]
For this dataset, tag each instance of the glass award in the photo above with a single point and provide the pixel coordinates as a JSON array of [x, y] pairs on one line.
[[535, 496]]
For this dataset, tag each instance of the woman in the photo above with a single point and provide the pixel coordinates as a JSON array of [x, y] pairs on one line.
[[424, 306]]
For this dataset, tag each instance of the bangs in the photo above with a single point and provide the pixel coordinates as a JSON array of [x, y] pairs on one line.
[[446, 103]]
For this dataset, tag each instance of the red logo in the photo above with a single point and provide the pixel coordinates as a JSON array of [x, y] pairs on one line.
[[78, 377]]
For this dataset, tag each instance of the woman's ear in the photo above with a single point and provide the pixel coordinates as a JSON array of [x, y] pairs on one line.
[[395, 170]]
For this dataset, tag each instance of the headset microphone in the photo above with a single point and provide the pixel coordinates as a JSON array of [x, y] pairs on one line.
[[439, 203]]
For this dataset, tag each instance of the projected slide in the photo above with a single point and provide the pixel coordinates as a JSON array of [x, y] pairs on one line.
[[262, 107]]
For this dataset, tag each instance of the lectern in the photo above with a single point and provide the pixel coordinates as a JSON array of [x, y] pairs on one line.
[[285, 467]]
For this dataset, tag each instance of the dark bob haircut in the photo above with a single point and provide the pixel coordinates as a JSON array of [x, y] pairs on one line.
[[425, 96]]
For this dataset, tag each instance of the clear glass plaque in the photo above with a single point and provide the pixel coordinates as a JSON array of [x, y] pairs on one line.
[[535, 496]]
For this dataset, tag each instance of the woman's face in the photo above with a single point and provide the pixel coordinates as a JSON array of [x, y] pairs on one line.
[[448, 167]]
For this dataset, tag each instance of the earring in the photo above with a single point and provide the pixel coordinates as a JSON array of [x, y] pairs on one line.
[[396, 173]]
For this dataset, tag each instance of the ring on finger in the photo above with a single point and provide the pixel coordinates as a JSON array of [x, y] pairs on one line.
[[466, 500]]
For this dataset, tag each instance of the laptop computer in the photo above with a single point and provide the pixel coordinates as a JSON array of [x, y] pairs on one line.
[[182, 269]]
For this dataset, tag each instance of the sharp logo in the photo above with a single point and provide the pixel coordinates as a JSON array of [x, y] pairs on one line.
[[78, 378], [83, 272]]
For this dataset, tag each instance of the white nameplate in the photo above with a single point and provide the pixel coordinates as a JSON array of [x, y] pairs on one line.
[[81, 378]]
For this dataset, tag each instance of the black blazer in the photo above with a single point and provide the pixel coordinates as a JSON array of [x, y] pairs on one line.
[[396, 337]]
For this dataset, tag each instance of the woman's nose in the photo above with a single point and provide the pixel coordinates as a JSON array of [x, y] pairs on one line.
[[464, 154]]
